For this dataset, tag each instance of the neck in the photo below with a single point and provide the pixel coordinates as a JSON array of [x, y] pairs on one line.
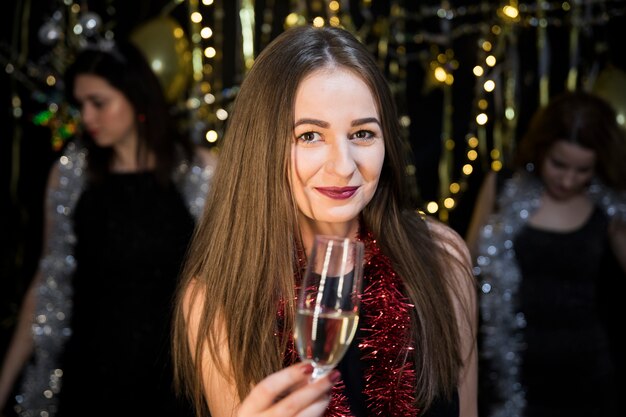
[[129, 157], [309, 228]]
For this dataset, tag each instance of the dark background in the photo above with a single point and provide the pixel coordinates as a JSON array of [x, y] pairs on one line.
[[26, 152]]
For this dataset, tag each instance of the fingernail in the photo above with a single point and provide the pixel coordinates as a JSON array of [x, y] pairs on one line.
[[307, 369], [334, 376]]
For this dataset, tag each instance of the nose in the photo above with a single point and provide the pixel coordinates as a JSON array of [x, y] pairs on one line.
[[340, 160], [87, 114], [568, 180]]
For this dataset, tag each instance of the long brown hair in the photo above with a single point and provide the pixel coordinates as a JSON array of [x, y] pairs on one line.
[[243, 252]]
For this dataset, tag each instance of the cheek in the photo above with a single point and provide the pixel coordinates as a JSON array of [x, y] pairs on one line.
[[372, 163], [305, 163], [122, 115], [585, 178]]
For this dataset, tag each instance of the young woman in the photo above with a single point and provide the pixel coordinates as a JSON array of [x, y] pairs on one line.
[[120, 209], [314, 147], [542, 240]]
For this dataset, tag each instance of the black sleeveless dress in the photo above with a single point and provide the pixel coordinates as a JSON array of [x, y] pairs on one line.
[[567, 368], [132, 234]]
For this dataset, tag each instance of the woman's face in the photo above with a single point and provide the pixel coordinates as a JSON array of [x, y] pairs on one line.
[[338, 149], [567, 169], [106, 113]]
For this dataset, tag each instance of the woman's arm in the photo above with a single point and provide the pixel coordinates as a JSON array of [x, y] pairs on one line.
[[464, 296], [21, 345], [485, 202], [285, 393]]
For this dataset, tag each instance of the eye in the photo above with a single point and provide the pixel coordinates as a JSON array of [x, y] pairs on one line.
[[363, 136], [557, 163], [309, 137]]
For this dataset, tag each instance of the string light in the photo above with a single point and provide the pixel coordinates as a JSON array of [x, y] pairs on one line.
[[495, 107]]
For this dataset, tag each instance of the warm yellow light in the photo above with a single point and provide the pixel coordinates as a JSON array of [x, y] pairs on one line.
[[496, 30], [205, 87], [490, 60], [209, 98], [51, 80], [211, 136], [221, 114], [432, 207], [318, 22], [291, 19], [196, 17], [179, 33], [334, 21], [510, 11], [483, 104], [440, 74], [449, 144], [455, 187], [478, 70], [333, 5], [496, 165], [482, 119], [473, 141], [448, 203], [472, 155], [486, 46], [206, 32], [495, 154], [449, 79], [489, 85], [209, 52], [509, 113], [207, 2], [468, 169]]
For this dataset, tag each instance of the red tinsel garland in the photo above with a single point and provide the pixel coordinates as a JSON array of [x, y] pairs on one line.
[[386, 347]]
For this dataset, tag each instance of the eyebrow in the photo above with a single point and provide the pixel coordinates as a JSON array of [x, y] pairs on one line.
[[323, 124]]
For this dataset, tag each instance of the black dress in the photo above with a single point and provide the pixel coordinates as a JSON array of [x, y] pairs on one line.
[[351, 368], [567, 368], [132, 234]]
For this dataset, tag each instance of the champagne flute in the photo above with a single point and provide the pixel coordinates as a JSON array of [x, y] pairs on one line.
[[327, 311]]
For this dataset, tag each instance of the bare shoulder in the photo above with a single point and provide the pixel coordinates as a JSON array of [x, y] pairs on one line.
[[192, 297], [54, 175], [450, 240], [207, 157]]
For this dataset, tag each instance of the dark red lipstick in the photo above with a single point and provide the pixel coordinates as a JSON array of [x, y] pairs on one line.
[[337, 193]]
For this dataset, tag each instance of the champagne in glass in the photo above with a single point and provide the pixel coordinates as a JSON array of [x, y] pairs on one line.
[[327, 312]]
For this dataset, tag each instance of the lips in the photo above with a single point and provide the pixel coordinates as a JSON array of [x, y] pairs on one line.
[[337, 193]]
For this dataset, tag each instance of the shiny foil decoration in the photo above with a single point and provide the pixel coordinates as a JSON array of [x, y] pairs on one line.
[[499, 275], [42, 380]]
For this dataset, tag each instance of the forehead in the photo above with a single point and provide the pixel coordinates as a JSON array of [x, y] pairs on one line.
[[572, 154], [335, 87], [89, 83]]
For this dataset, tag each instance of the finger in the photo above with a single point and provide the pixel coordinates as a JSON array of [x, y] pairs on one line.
[[265, 393], [317, 408], [310, 399]]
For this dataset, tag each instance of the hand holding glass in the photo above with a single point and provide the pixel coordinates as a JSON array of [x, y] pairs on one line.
[[327, 311]]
